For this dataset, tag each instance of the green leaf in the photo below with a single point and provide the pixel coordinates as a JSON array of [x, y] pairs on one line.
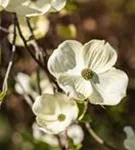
[[66, 31], [72, 146], [82, 110], [86, 119], [2, 95], [38, 145], [26, 136]]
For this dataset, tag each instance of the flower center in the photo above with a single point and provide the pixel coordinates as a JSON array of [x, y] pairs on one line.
[[61, 117], [87, 73]]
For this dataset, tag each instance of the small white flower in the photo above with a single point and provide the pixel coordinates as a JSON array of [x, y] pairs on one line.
[[54, 113], [41, 136], [129, 143], [86, 71], [75, 132]]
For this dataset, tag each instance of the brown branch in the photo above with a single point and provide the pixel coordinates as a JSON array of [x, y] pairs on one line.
[[25, 43], [98, 139], [38, 81], [40, 53], [33, 36], [5, 82], [60, 143]]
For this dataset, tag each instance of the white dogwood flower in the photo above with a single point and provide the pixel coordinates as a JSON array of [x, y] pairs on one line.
[[54, 113], [86, 71], [32, 7]]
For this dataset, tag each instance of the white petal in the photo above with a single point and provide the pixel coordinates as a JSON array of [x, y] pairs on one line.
[[45, 6], [21, 10], [45, 105], [15, 2], [58, 4], [110, 87], [99, 56], [40, 5], [53, 127], [75, 86], [41, 136], [49, 104], [65, 57]]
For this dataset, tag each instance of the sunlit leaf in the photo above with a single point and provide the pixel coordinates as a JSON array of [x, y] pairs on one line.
[[2, 95]]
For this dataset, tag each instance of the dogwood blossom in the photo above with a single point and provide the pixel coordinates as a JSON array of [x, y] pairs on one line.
[[86, 71], [32, 7], [54, 113]]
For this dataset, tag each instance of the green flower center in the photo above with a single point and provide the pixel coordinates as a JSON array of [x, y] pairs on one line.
[[87, 73], [61, 117]]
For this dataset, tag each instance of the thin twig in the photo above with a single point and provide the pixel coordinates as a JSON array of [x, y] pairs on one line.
[[33, 36], [40, 54], [38, 69], [38, 81], [5, 82], [60, 143], [25, 43], [44, 67], [84, 110], [98, 139], [39, 51], [5, 30]]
